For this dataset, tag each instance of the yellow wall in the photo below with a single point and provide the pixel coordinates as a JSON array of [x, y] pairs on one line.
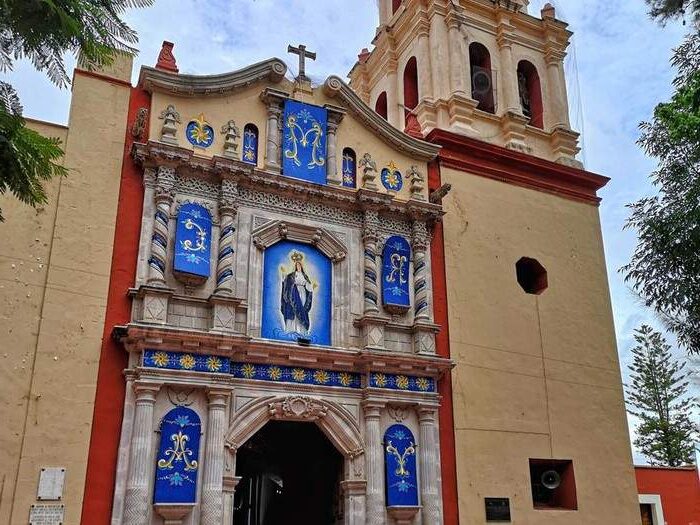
[[54, 274], [536, 376]]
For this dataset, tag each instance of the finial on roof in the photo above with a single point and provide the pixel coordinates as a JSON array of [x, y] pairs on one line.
[[548, 11], [303, 55], [166, 59], [363, 56]]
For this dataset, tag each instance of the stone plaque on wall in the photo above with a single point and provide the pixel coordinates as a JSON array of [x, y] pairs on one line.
[[51, 483], [46, 514]]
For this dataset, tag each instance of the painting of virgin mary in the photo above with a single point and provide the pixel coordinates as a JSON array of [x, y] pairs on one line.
[[297, 298], [297, 282]]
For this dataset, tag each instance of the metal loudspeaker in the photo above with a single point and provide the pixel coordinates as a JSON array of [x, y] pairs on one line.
[[551, 479]]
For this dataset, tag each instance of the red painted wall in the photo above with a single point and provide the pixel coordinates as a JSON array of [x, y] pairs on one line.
[[448, 460], [679, 490], [109, 398]]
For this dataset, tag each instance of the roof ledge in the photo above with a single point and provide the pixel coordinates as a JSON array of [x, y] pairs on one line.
[[152, 79], [419, 149]]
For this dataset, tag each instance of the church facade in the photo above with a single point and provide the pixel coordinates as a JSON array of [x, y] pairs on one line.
[[375, 302]]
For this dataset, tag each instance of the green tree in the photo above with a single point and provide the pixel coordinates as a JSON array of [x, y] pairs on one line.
[[42, 31], [665, 266], [665, 10], [658, 396]]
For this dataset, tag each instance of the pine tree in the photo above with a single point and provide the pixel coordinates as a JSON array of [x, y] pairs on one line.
[[42, 31], [658, 396]]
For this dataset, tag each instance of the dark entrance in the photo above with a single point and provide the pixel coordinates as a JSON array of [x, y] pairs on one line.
[[290, 474]]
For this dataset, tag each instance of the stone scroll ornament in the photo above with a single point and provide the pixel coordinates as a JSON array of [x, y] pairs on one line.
[[396, 259], [400, 467], [177, 463], [193, 241], [304, 129]]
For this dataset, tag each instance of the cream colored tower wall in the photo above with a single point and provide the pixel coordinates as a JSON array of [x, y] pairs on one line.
[[438, 33], [54, 275], [536, 376]]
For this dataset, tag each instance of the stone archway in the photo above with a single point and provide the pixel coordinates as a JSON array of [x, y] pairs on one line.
[[332, 419]]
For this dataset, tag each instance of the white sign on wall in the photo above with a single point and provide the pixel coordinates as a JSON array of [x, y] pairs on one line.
[[46, 514], [51, 483]]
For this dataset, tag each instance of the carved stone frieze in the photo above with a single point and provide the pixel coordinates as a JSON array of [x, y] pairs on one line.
[[298, 408]]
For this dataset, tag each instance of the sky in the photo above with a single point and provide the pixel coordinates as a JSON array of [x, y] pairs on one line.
[[617, 70]]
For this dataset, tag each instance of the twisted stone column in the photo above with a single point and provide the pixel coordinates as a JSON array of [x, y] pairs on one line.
[[136, 505], [375, 465], [157, 260], [429, 465], [369, 242], [227, 214], [420, 271], [213, 476]]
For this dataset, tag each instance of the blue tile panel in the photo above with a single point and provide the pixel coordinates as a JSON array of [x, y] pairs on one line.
[[400, 462], [283, 374], [288, 374], [177, 463], [401, 382]]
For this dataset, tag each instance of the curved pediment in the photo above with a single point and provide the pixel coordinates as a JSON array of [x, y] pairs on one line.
[[276, 231], [334, 87], [152, 79]]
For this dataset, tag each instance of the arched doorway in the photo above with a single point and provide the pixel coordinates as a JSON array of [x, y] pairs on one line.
[[290, 473]]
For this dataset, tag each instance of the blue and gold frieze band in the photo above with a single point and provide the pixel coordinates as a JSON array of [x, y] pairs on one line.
[[180, 361], [401, 382], [283, 374], [298, 375]]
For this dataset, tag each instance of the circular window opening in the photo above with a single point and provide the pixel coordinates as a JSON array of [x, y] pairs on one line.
[[532, 276]]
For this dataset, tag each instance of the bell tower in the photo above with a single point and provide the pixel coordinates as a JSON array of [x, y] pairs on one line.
[[482, 68]]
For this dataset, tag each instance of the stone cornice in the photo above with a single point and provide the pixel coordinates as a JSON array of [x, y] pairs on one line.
[[138, 337], [495, 162], [155, 153], [417, 149], [152, 79]]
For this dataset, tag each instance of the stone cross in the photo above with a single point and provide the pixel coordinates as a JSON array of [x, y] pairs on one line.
[[303, 55]]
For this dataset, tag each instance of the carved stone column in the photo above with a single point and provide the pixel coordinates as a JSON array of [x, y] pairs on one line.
[[509, 77], [459, 63], [229, 496], [369, 242], [228, 207], [273, 147], [558, 103], [395, 117], [137, 503], [165, 180], [213, 476], [425, 75], [429, 467], [354, 493], [335, 116], [375, 465], [420, 271]]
